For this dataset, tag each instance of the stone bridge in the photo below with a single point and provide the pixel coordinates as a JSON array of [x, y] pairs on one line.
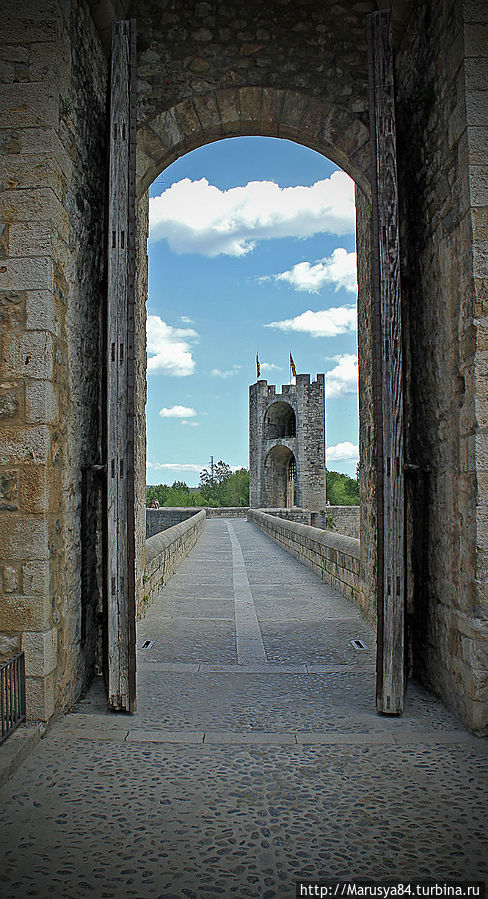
[[256, 757]]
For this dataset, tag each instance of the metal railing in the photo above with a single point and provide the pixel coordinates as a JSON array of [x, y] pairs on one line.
[[12, 694]]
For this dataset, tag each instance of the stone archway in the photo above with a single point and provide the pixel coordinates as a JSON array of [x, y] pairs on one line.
[[337, 134], [332, 130], [279, 465]]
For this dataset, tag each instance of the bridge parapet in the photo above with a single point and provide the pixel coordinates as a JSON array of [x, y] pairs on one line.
[[335, 557], [165, 552]]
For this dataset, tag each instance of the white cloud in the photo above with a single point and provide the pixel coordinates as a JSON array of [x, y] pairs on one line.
[[169, 349], [187, 320], [177, 412], [338, 270], [175, 466], [270, 366], [343, 452], [191, 424], [217, 373], [197, 217], [324, 323], [343, 378]]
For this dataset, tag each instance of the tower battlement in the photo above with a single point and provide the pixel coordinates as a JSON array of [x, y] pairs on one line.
[[287, 444]]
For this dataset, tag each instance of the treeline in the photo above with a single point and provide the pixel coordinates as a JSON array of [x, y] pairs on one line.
[[342, 490], [218, 487], [223, 487]]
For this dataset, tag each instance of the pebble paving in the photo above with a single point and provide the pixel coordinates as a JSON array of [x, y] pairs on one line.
[[245, 769]]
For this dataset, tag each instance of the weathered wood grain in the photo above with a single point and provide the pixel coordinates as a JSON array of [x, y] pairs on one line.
[[389, 376], [120, 377]]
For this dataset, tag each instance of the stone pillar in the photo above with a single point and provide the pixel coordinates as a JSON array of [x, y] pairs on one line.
[[442, 129], [52, 154]]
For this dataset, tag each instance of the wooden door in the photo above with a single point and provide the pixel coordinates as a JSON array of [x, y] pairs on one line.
[[390, 681], [120, 373]]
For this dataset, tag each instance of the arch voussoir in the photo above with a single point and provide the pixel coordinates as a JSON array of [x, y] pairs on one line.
[[333, 131]]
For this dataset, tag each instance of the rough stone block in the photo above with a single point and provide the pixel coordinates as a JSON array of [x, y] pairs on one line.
[[35, 578], [26, 445], [41, 402], [24, 538], [208, 113], [30, 239], [27, 273], [34, 489], [28, 205], [40, 698], [187, 120], [28, 105], [8, 646], [29, 355], [12, 309], [9, 490], [19, 612], [40, 652], [9, 141], [41, 313], [250, 106], [292, 112], [478, 187], [11, 400], [228, 101], [166, 126], [10, 577], [476, 39]]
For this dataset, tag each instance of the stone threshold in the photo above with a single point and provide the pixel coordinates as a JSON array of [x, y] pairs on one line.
[[266, 668], [100, 728]]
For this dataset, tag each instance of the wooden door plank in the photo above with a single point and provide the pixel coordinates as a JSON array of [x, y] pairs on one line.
[[120, 496], [389, 377]]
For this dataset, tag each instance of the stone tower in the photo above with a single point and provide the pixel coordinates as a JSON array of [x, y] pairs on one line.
[[287, 444]]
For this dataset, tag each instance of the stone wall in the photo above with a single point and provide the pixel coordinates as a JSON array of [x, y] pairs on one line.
[[165, 552], [52, 146], [340, 519], [334, 557], [158, 520], [442, 94]]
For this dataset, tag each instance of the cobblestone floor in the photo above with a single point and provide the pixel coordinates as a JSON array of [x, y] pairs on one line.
[[255, 758]]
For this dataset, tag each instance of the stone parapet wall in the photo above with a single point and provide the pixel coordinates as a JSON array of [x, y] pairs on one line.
[[165, 552], [334, 557], [158, 520], [226, 511], [340, 519]]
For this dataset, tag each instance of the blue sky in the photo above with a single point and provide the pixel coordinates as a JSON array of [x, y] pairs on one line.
[[268, 267]]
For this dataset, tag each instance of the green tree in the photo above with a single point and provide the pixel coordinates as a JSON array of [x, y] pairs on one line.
[[158, 492], [222, 487], [342, 490], [236, 490], [212, 483]]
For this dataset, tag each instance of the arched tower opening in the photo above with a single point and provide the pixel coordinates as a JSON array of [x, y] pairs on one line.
[[280, 477], [280, 421]]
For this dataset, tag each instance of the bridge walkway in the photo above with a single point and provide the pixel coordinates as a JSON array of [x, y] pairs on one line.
[[256, 757]]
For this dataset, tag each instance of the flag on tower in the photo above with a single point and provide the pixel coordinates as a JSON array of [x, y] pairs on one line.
[[292, 366], [258, 367]]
